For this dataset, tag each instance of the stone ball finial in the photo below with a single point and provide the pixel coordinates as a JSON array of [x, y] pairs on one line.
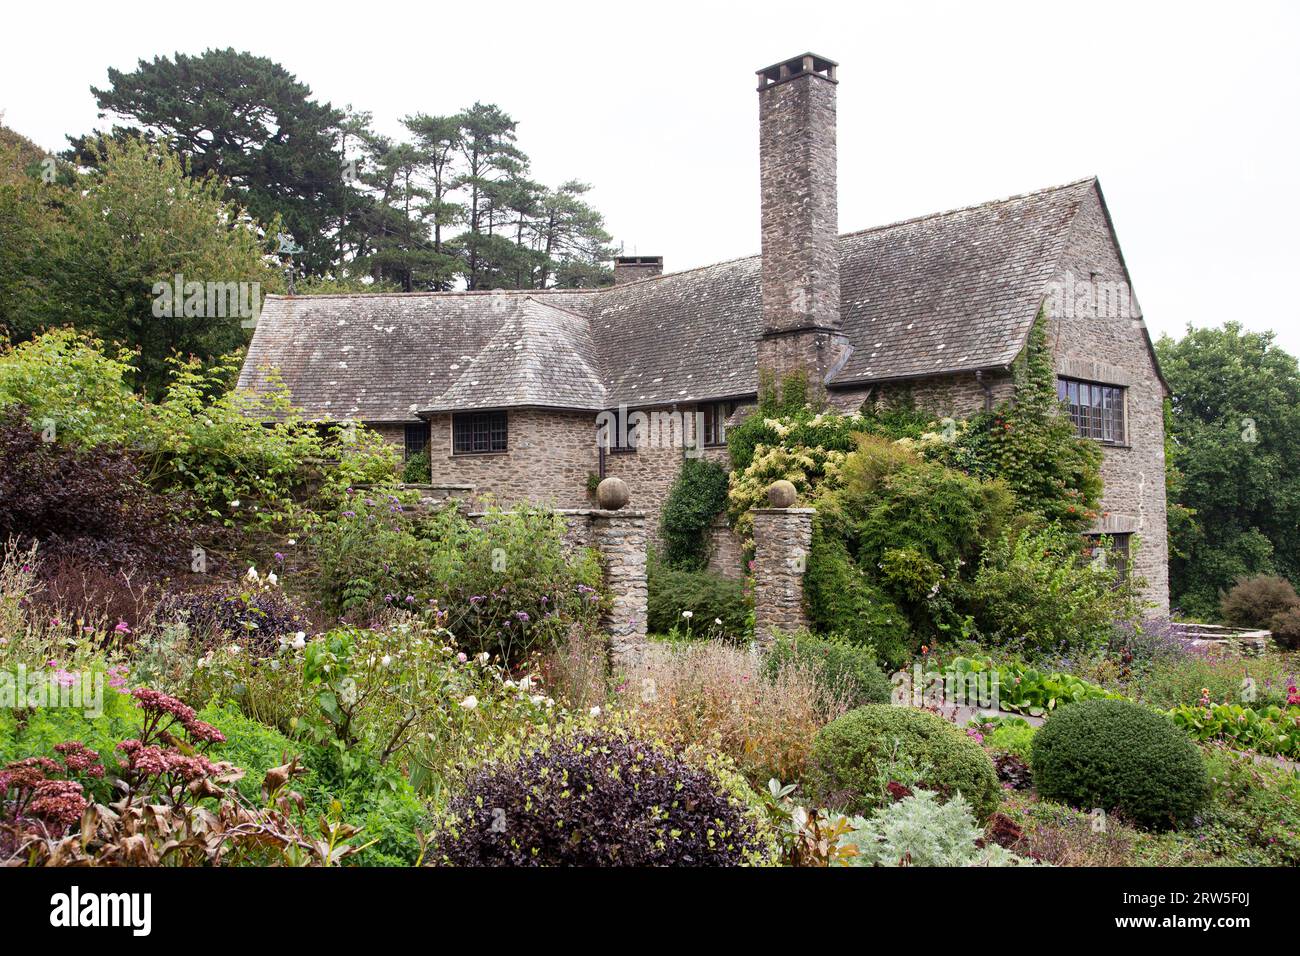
[[781, 494], [612, 494]]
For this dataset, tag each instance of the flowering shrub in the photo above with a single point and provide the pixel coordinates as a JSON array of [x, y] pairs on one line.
[[716, 696], [255, 613], [598, 798], [200, 438]]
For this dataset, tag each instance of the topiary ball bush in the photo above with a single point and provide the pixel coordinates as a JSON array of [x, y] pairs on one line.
[[1123, 758], [855, 757], [598, 798]]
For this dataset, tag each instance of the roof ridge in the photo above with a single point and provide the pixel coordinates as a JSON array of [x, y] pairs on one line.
[[971, 208], [599, 290]]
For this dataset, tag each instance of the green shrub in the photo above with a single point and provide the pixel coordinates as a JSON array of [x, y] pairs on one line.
[[417, 470], [855, 757], [1121, 757], [843, 600], [1255, 602], [1032, 591], [695, 499], [841, 667], [505, 584], [1012, 737], [709, 597], [369, 795]]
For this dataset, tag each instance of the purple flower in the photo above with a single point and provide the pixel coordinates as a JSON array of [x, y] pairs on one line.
[[522, 615], [279, 556], [349, 514]]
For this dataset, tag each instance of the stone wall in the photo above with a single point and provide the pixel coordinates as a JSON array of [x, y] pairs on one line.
[[620, 539], [782, 537], [551, 454], [1108, 343], [959, 395], [726, 553]]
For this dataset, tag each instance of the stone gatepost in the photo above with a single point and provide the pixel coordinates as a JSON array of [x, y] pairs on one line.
[[782, 537], [619, 537]]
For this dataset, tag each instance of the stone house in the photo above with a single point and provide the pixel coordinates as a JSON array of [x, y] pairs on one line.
[[526, 395]]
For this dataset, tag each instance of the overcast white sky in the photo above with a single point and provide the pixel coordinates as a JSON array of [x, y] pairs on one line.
[[1189, 113]]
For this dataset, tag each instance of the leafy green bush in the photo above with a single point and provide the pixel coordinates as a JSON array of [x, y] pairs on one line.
[[707, 596], [200, 438], [920, 831], [1020, 689], [1268, 730], [694, 500], [505, 584], [1029, 444], [1032, 591], [418, 470], [1255, 602], [842, 668], [842, 599], [1012, 737], [855, 757], [1120, 757]]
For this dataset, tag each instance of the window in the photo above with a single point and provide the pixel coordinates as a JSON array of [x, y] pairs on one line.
[[617, 432], [476, 433], [1096, 410], [715, 422], [417, 439], [1115, 556]]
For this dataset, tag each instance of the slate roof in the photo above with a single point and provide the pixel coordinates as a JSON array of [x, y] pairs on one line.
[[949, 292]]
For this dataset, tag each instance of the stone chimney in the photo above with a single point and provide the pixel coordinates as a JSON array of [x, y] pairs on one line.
[[801, 268], [632, 268]]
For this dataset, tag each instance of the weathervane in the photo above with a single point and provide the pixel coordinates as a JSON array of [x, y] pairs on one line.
[[289, 248]]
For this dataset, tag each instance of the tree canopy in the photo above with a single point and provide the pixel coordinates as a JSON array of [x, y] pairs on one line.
[[1234, 416]]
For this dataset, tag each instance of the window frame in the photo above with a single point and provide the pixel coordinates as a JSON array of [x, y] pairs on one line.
[[714, 422], [492, 426], [1119, 555], [1098, 410], [414, 443]]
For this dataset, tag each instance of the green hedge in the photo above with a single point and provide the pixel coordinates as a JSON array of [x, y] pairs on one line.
[[855, 757], [709, 597], [1120, 757]]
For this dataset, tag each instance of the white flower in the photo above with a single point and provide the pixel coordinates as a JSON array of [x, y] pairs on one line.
[[235, 503], [291, 542], [234, 650], [271, 578], [484, 657], [510, 684], [300, 640], [386, 660], [718, 621], [525, 683], [470, 702], [252, 573], [688, 614], [536, 699], [595, 711]]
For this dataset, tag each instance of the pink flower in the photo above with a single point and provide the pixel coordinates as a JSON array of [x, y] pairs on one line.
[[122, 627]]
